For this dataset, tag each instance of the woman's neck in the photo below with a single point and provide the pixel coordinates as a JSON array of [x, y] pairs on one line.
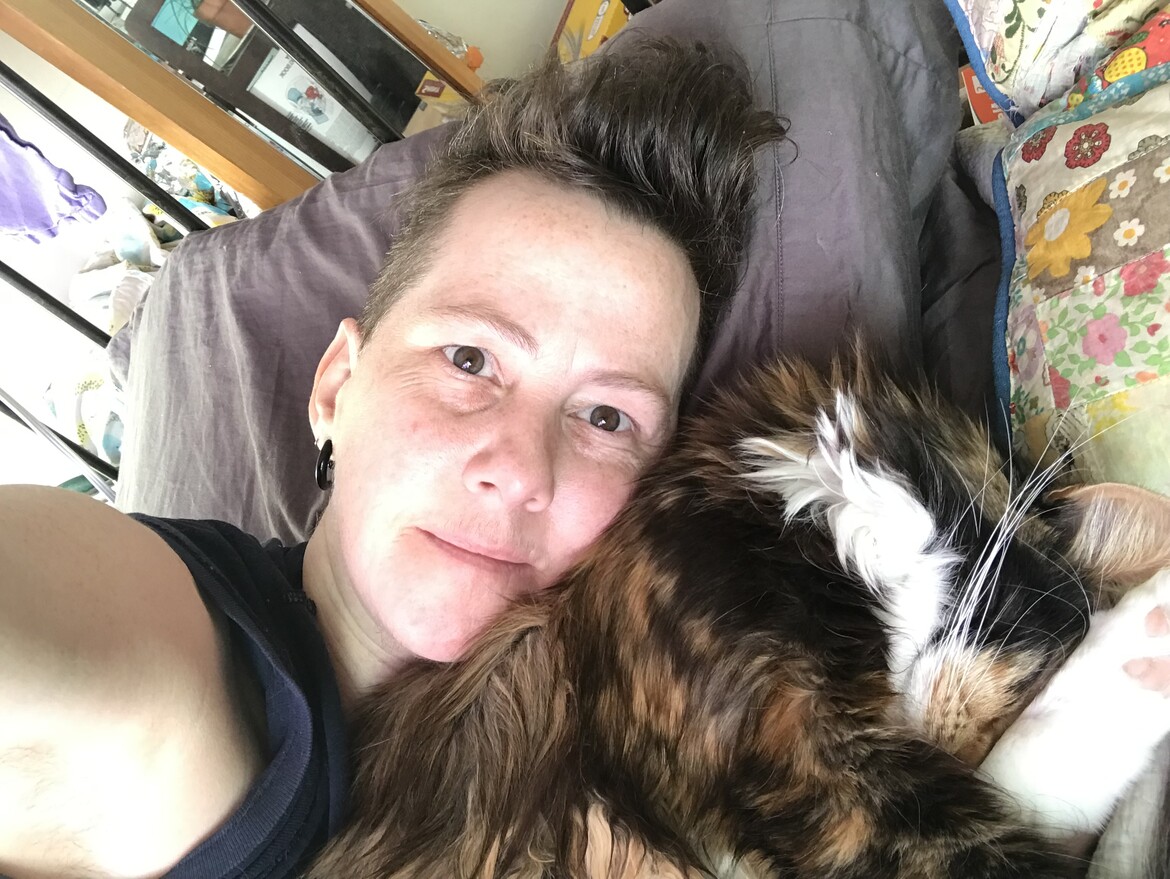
[[363, 655]]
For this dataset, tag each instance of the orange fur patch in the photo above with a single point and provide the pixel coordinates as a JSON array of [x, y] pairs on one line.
[[974, 698]]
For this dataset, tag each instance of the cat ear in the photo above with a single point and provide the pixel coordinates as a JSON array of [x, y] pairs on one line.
[[1120, 532]]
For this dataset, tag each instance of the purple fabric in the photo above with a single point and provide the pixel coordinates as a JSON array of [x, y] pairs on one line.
[[38, 196]]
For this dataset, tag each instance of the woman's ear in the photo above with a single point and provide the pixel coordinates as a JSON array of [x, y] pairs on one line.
[[336, 366], [1119, 532]]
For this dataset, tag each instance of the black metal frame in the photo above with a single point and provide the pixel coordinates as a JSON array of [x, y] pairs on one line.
[[54, 306], [340, 90], [64, 313], [227, 87], [105, 468]]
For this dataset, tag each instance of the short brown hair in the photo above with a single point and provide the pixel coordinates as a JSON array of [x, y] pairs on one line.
[[662, 131]]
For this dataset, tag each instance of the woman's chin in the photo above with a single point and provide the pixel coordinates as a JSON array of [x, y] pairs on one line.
[[445, 630], [445, 647]]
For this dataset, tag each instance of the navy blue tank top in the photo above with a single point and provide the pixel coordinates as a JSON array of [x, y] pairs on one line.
[[298, 801]]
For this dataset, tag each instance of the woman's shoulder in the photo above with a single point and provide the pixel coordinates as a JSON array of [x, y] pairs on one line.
[[190, 694], [231, 568]]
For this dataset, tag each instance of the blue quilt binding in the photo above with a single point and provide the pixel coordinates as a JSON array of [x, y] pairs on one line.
[[979, 63], [999, 350]]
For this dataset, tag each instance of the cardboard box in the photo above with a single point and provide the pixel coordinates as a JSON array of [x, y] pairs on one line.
[[983, 108], [440, 97]]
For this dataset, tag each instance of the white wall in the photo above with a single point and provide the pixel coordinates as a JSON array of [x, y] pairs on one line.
[[511, 33]]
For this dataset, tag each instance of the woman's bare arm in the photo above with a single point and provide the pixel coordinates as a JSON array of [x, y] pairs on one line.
[[120, 746]]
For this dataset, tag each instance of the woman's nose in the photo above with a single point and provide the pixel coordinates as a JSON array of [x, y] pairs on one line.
[[517, 463]]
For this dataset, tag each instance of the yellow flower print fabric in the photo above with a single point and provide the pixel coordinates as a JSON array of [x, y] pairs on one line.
[[1061, 234], [1101, 226], [1067, 156]]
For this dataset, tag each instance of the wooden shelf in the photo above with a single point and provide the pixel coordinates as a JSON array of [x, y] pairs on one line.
[[99, 58]]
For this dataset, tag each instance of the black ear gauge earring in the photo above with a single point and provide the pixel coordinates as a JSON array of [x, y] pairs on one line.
[[325, 466]]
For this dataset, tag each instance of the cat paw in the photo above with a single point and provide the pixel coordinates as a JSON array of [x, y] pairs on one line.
[[1124, 661], [1140, 626]]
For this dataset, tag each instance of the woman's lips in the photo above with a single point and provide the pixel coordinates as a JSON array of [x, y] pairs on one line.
[[467, 550]]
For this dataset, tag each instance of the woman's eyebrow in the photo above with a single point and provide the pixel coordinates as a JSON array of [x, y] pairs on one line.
[[628, 382], [499, 323]]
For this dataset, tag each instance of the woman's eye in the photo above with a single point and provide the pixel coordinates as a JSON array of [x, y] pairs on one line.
[[468, 358], [607, 418]]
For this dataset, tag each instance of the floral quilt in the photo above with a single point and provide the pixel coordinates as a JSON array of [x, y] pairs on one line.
[[1087, 184]]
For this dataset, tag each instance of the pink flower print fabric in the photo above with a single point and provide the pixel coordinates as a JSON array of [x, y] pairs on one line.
[[1104, 338], [1144, 275]]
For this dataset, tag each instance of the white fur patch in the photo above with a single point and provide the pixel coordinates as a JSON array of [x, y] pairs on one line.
[[917, 686], [881, 530]]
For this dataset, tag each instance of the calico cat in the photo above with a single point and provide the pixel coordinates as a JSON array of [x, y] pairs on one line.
[[817, 614]]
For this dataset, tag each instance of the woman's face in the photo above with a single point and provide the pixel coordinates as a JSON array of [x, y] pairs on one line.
[[493, 424]]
